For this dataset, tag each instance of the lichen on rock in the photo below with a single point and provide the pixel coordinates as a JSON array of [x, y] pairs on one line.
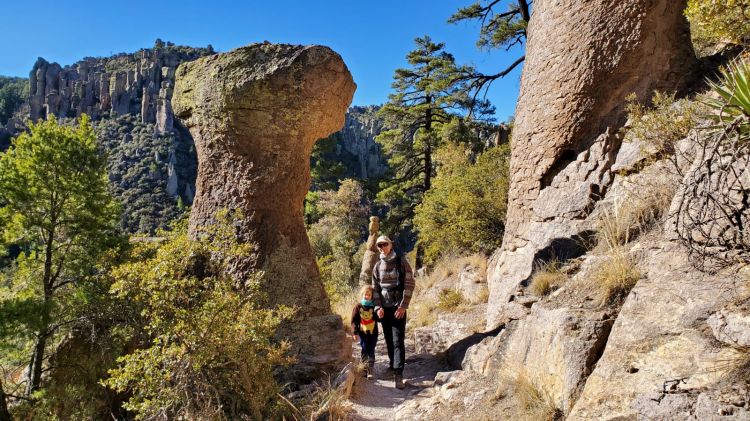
[[255, 113]]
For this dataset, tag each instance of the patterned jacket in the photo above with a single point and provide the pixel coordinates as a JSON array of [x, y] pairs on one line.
[[364, 320], [385, 280]]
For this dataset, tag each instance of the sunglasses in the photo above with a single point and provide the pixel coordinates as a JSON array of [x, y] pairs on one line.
[[380, 246]]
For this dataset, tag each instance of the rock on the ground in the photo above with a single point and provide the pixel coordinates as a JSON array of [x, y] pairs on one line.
[[255, 113], [582, 59], [731, 326], [448, 329], [660, 340]]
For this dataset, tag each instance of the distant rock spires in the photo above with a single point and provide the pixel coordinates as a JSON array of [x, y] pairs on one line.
[[138, 83]]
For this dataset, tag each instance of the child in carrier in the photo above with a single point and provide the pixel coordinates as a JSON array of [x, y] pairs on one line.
[[365, 328]]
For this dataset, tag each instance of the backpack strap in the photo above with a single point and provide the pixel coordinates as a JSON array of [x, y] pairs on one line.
[[401, 274]]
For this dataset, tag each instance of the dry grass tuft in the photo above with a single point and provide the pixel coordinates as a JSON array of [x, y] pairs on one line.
[[343, 306], [640, 211], [547, 277], [739, 365], [533, 400], [421, 314], [613, 279], [484, 295], [325, 402]]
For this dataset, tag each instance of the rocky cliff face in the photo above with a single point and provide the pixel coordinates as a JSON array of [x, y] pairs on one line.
[[583, 58], [674, 347], [361, 127], [255, 113], [139, 83]]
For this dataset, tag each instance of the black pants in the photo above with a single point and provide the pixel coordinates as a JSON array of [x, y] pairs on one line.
[[394, 330], [368, 342]]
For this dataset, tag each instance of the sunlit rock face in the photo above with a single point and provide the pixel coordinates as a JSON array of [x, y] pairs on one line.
[[583, 59], [255, 113]]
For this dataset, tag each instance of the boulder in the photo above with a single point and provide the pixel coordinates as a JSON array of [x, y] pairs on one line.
[[660, 342], [582, 59], [731, 326], [255, 113]]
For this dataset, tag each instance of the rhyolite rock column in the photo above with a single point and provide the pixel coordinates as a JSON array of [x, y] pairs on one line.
[[372, 254], [255, 113], [583, 58]]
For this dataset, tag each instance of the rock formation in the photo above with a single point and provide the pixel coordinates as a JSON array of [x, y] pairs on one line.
[[255, 113], [139, 83], [361, 127], [583, 58], [372, 254]]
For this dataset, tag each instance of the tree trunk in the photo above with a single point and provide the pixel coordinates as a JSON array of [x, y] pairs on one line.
[[4, 414], [35, 368], [34, 378]]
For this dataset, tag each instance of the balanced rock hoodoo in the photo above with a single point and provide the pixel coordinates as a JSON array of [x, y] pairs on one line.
[[569, 113], [255, 113]]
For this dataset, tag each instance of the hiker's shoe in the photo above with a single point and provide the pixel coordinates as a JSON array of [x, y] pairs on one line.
[[399, 380], [369, 372], [366, 374]]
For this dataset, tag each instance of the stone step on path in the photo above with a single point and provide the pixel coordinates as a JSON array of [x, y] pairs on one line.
[[378, 398]]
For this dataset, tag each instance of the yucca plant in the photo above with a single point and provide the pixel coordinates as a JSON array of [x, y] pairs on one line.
[[733, 105]]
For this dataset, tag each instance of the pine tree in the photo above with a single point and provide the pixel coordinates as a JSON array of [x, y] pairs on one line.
[[497, 30], [56, 204], [427, 96]]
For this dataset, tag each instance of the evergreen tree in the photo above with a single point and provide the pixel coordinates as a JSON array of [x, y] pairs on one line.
[[497, 30], [13, 91], [427, 95], [54, 189]]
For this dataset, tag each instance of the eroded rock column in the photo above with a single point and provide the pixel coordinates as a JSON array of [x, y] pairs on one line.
[[583, 58], [255, 113]]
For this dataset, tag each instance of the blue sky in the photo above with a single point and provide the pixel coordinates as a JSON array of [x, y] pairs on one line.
[[373, 37]]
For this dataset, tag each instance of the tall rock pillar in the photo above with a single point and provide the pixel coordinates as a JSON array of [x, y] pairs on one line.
[[583, 58], [255, 113]]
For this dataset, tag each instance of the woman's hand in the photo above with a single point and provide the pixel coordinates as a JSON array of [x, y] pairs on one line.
[[400, 313]]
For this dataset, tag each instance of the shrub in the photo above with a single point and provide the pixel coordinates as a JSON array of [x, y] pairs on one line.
[[661, 125], [465, 208], [547, 277], [711, 210], [450, 300], [719, 22], [210, 353], [732, 107], [336, 237]]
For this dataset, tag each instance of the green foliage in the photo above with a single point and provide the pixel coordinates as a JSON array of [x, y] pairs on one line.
[[717, 22], [450, 300], [326, 167], [497, 30], [465, 209], [13, 92], [336, 238], [210, 353], [733, 105], [663, 124], [137, 164], [504, 29], [427, 96], [58, 209]]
